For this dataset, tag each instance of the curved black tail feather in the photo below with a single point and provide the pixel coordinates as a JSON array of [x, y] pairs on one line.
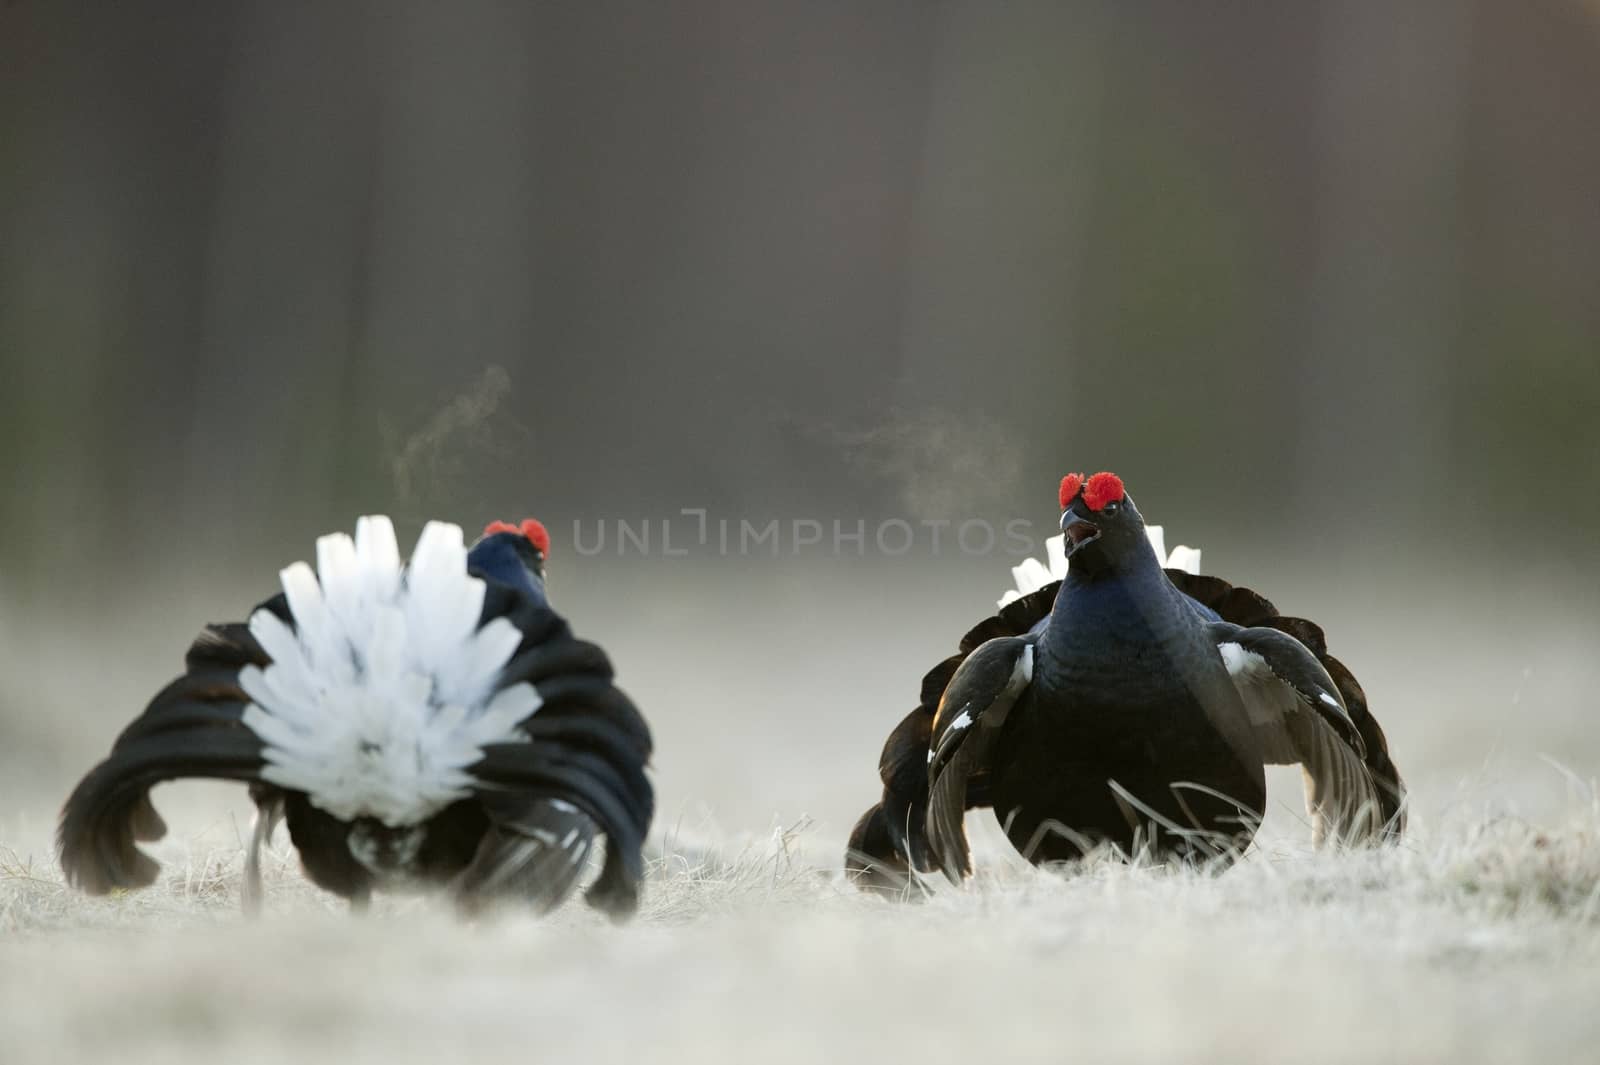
[[191, 728]]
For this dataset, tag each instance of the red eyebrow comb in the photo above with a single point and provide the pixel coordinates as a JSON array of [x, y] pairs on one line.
[[1101, 489], [531, 528], [1069, 488]]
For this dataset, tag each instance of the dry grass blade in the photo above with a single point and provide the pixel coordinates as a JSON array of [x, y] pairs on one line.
[[761, 949]]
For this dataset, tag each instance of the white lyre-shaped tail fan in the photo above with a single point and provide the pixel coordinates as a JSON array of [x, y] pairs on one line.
[[1032, 574], [384, 689]]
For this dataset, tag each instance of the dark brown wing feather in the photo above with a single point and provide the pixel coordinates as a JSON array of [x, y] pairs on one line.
[[1248, 609]]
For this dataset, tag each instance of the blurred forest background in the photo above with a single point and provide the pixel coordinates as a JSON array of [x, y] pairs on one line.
[[1320, 281]]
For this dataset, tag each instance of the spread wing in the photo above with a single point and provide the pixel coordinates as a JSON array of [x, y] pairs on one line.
[[971, 714], [1248, 609], [1299, 717], [535, 849]]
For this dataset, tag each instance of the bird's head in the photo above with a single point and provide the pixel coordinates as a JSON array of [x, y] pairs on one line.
[[511, 554], [1103, 529]]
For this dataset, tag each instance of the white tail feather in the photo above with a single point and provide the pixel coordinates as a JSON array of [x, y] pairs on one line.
[[383, 692], [1033, 574]]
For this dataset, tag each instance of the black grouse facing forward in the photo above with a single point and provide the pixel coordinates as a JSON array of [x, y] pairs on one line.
[[1129, 704], [427, 725]]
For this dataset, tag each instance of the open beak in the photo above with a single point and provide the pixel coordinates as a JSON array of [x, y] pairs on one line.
[[1078, 531]]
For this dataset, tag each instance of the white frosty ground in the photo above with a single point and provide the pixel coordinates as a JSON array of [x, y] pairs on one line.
[[1477, 941]]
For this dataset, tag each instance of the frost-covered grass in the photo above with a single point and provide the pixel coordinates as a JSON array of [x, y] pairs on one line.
[[1476, 940]]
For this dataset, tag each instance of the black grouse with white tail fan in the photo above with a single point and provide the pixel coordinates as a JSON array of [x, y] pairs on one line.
[[432, 724], [1122, 698]]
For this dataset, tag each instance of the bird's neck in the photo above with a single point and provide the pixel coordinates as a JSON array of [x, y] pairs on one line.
[[533, 586], [517, 576], [1109, 628]]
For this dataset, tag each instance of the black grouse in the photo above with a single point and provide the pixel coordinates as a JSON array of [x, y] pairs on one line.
[[1126, 704], [433, 724]]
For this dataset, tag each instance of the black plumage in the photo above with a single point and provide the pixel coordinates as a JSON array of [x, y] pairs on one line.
[[1128, 705], [537, 801]]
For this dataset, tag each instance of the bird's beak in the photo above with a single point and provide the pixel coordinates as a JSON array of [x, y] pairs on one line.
[[1078, 531]]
